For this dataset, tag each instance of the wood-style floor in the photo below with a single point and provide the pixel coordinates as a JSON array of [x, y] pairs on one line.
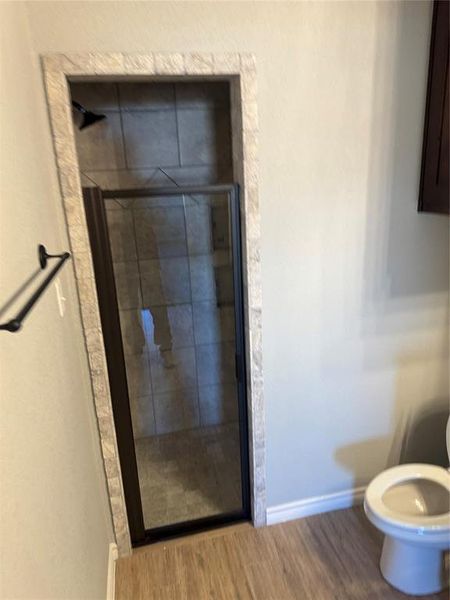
[[332, 556]]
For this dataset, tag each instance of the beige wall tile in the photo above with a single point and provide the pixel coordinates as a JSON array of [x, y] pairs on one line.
[[94, 340], [134, 332], [119, 180], [79, 239], [171, 327], [128, 284], [176, 410], [90, 315], [69, 179], [146, 96], [111, 467], [198, 226], [249, 87], [158, 202], [139, 64], [227, 63], [165, 281], [74, 211], [150, 138], [196, 175], [198, 63], [142, 416], [95, 96], [138, 374], [173, 369], [202, 270], [203, 94], [160, 232], [213, 324], [60, 110], [250, 116], [83, 265], [121, 234], [101, 146], [204, 136], [218, 404], [248, 62], [215, 363], [169, 64], [224, 284], [118, 203]]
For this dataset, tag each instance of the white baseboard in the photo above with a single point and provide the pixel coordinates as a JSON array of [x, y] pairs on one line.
[[111, 581], [314, 506]]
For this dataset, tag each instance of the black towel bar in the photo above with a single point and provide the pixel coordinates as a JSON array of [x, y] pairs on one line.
[[15, 324]]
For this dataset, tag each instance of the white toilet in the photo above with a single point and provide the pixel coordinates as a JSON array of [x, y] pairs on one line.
[[410, 504]]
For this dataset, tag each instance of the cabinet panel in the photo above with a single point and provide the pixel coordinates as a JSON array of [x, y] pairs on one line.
[[434, 181]]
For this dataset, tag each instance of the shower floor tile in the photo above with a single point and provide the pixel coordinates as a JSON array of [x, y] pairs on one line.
[[189, 474]]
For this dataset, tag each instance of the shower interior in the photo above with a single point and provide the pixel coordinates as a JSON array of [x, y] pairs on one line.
[[161, 159]]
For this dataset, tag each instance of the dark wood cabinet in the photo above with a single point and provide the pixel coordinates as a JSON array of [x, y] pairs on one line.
[[434, 180]]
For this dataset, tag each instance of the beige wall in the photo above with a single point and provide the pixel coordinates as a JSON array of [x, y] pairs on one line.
[[55, 524], [355, 282]]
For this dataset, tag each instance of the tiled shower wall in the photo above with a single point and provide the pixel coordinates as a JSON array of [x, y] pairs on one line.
[[155, 134], [172, 277]]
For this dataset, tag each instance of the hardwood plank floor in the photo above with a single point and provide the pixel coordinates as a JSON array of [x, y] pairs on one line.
[[333, 556]]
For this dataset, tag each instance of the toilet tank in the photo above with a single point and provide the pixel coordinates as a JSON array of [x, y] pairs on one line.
[[427, 435]]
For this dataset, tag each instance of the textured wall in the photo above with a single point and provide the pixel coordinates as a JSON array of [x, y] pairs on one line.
[[355, 282], [56, 525]]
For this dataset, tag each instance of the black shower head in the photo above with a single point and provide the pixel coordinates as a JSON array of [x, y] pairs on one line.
[[89, 118]]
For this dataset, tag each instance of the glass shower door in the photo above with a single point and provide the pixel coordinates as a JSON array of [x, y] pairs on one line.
[[176, 268]]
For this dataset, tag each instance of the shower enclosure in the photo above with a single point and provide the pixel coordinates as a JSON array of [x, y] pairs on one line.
[[168, 273]]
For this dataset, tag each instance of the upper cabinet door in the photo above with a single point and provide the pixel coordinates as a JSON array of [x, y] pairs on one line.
[[434, 180]]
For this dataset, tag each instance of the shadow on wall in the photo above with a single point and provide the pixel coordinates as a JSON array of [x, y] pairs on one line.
[[407, 252], [421, 438], [425, 439], [16, 295], [404, 306], [406, 262]]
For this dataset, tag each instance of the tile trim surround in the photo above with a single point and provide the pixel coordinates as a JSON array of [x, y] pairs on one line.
[[240, 71]]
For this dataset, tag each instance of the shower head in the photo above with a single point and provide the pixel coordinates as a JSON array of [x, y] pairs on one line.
[[89, 118]]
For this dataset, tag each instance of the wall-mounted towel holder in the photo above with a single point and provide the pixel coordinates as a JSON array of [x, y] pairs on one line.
[[15, 324]]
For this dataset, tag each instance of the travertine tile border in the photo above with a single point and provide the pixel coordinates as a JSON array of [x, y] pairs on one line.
[[240, 70]]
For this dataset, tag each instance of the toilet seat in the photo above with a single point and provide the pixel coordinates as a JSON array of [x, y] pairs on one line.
[[421, 525]]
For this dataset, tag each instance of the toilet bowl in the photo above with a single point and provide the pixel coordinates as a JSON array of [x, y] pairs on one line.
[[410, 504]]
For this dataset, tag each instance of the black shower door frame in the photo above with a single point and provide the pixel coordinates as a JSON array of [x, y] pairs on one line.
[[109, 315]]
